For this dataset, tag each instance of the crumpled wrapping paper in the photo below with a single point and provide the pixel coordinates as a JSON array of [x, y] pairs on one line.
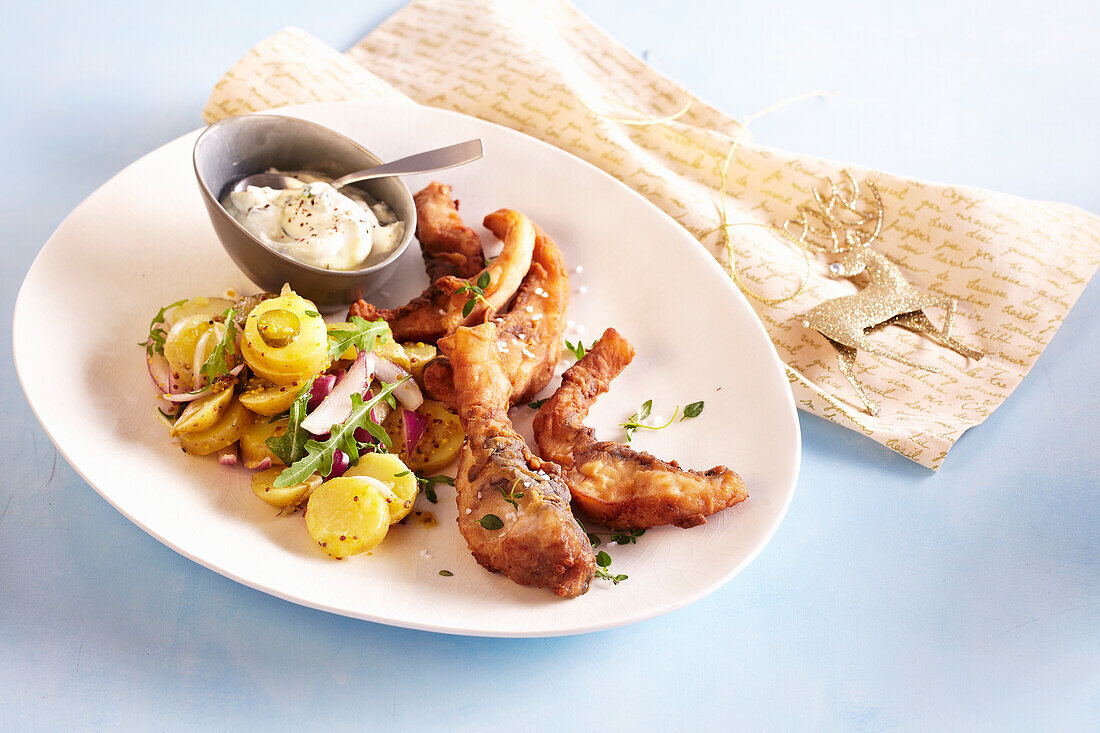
[[542, 68]]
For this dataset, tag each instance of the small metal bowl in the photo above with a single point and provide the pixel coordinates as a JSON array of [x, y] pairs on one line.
[[240, 146]]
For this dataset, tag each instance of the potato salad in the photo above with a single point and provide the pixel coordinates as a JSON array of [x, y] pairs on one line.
[[329, 416]]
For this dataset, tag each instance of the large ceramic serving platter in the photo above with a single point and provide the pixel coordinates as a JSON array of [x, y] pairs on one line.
[[144, 240]]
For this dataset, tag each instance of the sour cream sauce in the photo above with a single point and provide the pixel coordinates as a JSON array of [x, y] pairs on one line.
[[316, 224]]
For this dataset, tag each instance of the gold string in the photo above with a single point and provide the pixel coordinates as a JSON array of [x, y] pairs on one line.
[[722, 169]]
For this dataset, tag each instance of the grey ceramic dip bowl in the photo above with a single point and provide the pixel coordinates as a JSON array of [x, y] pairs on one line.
[[240, 146]]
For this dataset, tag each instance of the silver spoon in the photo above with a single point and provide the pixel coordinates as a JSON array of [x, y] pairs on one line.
[[431, 160]]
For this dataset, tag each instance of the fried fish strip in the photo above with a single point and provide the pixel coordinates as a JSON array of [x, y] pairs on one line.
[[529, 336], [613, 484], [450, 248], [442, 307], [448, 245], [539, 543], [506, 272]]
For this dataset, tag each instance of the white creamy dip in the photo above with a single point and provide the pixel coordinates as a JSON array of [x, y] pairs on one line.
[[315, 224]]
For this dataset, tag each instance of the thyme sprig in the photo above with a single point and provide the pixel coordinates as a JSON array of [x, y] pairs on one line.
[[603, 562], [634, 422], [476, 291]]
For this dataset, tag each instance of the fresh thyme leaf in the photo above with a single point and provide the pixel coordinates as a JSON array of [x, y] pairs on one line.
[[593, 539], [446, 573], [692, 410], [491, 521], [578, 349], [635, 421], [361, 335], [627, 537], [427, 483], [476, 291], [537, 403], [312, 314], [215, 365], [511, 495], [155, 343], [603, 562], [318, 456], [290, 446]]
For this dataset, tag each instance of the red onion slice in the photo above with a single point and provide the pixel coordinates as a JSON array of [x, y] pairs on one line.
[[322, 386], [228, 456], [413, 424], [188, 396], [336, 408], [160, 371], [340, 463], [408, 394]]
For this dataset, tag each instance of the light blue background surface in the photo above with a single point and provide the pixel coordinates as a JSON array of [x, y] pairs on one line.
[[891, 597]]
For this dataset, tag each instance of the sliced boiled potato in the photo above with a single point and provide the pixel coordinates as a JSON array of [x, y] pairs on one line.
[[285, 340], [253, 442], [267, 398], [441, 441], [390, 350], [200, 414], [222, 434], [179, 347], [346, 516], [200, 306], [419, 355], [396, 482], [282, 498]]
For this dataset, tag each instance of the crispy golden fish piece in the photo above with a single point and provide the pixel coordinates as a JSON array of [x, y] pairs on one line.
[[535, 541], [506, 272], [448, 245], [529, 336], [450, 249], [442, 306], [613, 484]]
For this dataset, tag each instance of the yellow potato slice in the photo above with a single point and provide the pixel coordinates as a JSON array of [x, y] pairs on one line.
[[179, 347], [396, 482], [282, 498], [419, 355], [285, 340], [200, 414], [266, 398], [346, 516], [253, 442], [222, 434], [441, 441], [200, 306]]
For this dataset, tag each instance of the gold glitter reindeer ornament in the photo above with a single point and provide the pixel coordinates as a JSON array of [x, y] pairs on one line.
[[837, 226]]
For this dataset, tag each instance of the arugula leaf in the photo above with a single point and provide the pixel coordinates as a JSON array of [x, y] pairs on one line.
[[361, 335], [289, 446], [318, 455], [157, 334], [692, 410], [215, 364]]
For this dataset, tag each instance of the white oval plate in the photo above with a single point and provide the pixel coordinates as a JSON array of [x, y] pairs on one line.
[[144, 240]]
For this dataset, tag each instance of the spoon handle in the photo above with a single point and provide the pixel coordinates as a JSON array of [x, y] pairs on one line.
[[431, 160]]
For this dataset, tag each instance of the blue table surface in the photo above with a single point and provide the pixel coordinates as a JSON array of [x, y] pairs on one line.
[[891, 597]]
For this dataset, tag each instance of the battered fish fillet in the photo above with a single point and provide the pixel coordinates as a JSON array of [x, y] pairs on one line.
[[539, 543], [448, 245], [442, 307], [529, 336], [450, 249], [613, 484]]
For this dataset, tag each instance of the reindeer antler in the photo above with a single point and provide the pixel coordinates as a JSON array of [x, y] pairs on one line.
[[838, 218]]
